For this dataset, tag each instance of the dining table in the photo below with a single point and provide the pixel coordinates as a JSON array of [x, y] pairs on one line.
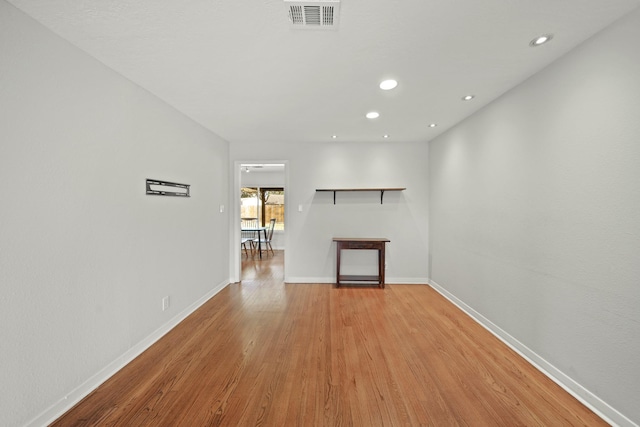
[[258, 230]]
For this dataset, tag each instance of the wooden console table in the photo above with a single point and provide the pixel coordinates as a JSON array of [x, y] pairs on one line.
[[361, 243]]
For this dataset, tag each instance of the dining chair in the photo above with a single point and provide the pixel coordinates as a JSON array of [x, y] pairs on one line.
[[260, 241], [247, 237]]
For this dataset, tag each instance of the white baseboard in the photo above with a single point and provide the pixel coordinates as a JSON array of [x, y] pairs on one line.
[[388, 280], [310, 280], [406, 280], [67, 402], [590, 400]]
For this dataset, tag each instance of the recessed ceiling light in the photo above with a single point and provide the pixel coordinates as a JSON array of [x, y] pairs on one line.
[[388, 84], [373, 115], [468, 97], [334, 136], [432, 125], [386, 136], [540, 40]]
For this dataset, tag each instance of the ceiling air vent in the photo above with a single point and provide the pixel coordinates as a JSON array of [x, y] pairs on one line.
[[319, 14]]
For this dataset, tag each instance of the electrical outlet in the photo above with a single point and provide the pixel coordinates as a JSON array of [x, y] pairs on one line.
[[165, 303]]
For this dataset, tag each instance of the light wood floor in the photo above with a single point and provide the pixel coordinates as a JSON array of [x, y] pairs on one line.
[[271, 354]]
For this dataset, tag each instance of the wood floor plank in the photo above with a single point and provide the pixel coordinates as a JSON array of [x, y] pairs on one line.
[[265, 353]]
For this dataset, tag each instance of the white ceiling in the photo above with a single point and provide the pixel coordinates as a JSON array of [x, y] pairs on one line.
[[237, 67]]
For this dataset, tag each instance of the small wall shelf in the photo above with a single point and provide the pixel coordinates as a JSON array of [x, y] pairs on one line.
[[381, 190]]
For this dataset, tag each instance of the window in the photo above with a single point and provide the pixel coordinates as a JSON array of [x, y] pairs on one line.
[[263, 203]]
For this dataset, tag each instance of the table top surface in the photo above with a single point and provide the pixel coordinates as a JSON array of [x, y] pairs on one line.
[[253, 228], [361, 239]]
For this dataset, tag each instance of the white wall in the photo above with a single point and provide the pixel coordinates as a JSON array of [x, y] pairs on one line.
[[534, 218], [85, 256], [263, 179], [310, 253]]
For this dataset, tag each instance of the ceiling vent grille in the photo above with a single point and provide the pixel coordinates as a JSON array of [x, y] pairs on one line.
[[322, 14]]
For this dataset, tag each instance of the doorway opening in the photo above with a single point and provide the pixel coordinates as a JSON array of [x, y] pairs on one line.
[[260, 189]]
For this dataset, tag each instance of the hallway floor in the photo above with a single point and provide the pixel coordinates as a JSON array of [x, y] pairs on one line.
[[262, 352]]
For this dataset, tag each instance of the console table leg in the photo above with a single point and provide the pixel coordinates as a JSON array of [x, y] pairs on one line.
[[381, 266], [338, 265]]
